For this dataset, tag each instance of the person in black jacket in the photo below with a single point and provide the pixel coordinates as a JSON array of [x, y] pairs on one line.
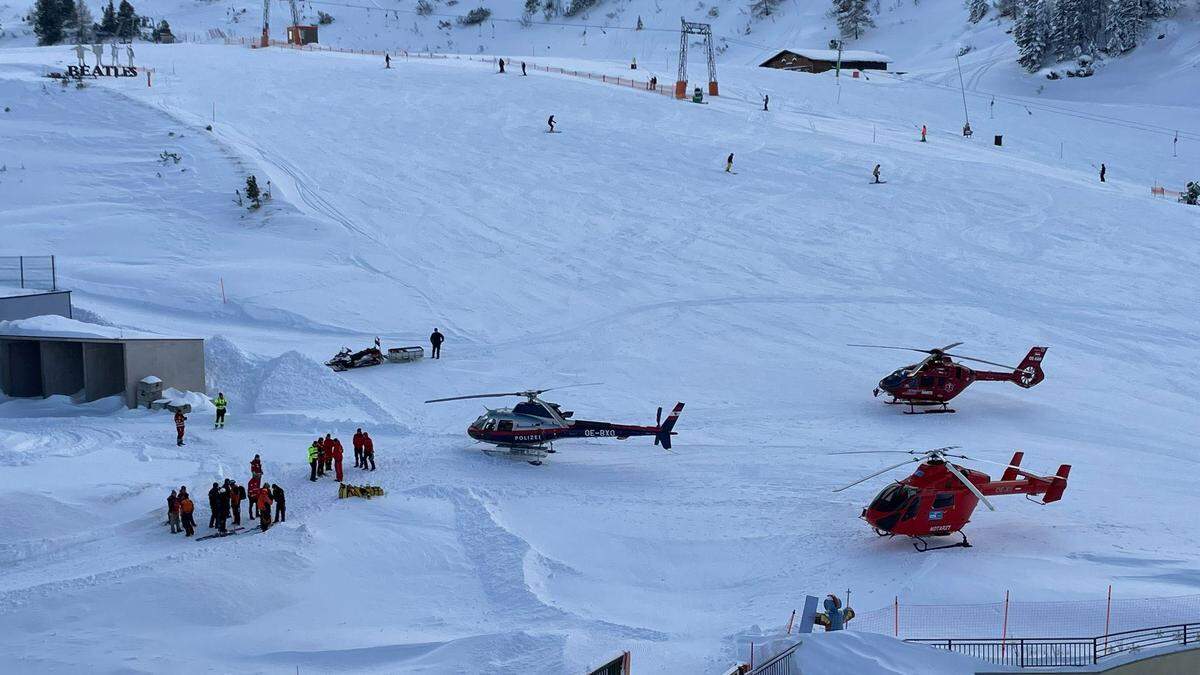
[[280, 504], [436, 339], [213, 494], [222, 510]]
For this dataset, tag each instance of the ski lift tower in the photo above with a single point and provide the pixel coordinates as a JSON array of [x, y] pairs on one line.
[[300, 34], [266, 34], [705, 30]]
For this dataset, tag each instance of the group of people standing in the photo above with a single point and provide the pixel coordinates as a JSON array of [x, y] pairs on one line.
[[325, 455], [225, 502]]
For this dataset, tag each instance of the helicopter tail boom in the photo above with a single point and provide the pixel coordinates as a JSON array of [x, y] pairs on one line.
[[662, 436]]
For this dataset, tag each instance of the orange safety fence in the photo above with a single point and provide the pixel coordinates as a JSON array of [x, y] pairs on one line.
[[641, 85], [1160, 191]]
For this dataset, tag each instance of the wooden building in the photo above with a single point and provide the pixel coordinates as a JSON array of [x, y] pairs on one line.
[[821, 60]]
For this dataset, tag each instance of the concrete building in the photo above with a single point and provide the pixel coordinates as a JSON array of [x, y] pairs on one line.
[[821, 60], [34, 363], [18, 303]]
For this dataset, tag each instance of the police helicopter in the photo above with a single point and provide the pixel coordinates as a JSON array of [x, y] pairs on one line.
[[529, 428]]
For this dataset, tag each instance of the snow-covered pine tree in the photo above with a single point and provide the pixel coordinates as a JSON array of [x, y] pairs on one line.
[[127, 21], [532, 6], [253, 193], [763, 8], [1029, 32], [48, 22], [1123, 25], [1009, 8], [1068, 34], [1157, 9], [978, 9], [82, 28], [853, 17], [108, 22]]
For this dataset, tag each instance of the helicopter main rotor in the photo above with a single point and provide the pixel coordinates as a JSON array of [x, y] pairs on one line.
[[531, 394], [937, 454], [935, 353]]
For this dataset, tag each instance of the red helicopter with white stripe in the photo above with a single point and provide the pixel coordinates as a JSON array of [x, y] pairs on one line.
[[530, 427], [939, 378]]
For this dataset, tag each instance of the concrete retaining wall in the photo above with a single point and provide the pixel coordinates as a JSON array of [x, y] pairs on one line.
[[57, 303]]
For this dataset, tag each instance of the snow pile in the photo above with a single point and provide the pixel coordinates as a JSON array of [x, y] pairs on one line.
[[61, 326], [290, 385], [851, 653]]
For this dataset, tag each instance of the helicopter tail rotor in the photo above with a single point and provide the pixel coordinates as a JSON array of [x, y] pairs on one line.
[[663, 435], [1029, 372]]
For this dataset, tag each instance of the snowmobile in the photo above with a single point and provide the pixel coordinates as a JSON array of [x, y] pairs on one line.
[[371, 356]]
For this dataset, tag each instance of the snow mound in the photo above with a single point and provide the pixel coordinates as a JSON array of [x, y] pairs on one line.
[[851, 653], [289, 385], [61, 326]]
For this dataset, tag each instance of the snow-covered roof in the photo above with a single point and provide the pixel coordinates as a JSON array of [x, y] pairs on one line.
[[847, 55], [52, 326], [14, 291]]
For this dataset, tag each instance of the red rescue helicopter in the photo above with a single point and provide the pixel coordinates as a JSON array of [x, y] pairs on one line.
[[938, 499], [939, 378], [530, 427]]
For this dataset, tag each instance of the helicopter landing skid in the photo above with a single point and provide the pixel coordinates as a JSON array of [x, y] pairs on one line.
[[923, 546], [530, 453], [912, 409]]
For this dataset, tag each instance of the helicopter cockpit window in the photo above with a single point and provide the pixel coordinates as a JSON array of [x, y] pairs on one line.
[[505, 425], [489, 425], [893, 497], [943, 500], [532, 409]]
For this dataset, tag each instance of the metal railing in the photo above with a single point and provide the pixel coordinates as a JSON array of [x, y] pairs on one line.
[[29, 271], [1058, 652], [780, 664]]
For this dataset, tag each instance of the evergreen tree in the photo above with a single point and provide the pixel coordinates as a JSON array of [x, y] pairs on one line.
[[853, 17], [252, 192], [1123, 25], [763, 8], [127, 22], [108, 22], [532, 6], [1029, 32], [82, 25], [66, 11], [1009, 8], [48, 22], [1069, 28], [978, 10]]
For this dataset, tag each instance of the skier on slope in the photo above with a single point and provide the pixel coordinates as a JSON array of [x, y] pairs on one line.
[[729, 163], [924, 130], [1103, 171], [551, 123], [221, 403], [435, 338], [387, 60], [523, 73], [280, 503], [875, 173], [501, 66], [766, 100], [180, 420]]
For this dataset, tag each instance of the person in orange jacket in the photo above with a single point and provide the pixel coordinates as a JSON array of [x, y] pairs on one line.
[[337, 458], [186, 509], [368, 452], [264, 507]]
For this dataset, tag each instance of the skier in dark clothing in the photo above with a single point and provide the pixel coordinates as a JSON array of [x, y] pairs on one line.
[[387, 60], [501, 66], [729, 163], [1103, 170], [551, 123], [766, 100], [280, 505], [875, 173], [213, 495], [523, 68], [436, 339]]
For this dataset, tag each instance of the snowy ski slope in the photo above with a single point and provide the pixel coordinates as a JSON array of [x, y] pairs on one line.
[[619, 252]]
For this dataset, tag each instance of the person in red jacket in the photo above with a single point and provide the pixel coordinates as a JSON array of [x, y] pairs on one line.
[[320, 456], [368, 452], [358, 447], [328, 453], [337, 458], [180, 420], [264, 507], [256, 466], [252, 495]]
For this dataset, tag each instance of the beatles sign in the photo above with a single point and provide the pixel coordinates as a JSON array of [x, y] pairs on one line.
[[101, 71]]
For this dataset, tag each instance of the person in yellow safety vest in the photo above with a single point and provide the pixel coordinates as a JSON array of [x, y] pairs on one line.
[[221, 404], [312, 461]]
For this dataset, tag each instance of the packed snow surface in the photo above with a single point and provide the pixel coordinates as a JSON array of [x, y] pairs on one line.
[[618, 251]]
